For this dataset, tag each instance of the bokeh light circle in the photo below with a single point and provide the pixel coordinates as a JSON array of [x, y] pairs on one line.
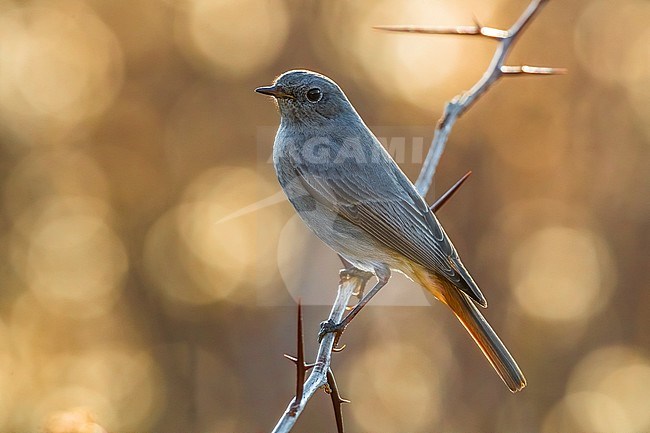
[[59, 65], [603, 35], [50, 173], [70, 259], [198, 254], [561, 273], [234, 37], [415, 68], [608, 390], [396, 387]]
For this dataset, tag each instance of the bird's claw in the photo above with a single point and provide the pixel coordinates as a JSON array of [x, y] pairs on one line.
[[358, 294]]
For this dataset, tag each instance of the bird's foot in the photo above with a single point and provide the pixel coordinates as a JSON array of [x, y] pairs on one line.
[[347, 273], [329, 327]]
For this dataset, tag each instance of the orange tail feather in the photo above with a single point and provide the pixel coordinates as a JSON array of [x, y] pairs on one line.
[[487, 340]]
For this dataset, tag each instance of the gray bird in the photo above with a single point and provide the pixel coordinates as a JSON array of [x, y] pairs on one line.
[[354, 197]]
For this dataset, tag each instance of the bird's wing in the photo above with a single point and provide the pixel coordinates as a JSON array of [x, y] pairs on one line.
[[380, 199]]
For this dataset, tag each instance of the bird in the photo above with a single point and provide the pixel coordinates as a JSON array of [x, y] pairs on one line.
[[354, 197]]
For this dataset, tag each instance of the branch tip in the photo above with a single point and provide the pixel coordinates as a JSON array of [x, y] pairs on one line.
[[533, 8], [459, 105]]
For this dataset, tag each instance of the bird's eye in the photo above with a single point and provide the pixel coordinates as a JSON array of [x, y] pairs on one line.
[[314, 94]]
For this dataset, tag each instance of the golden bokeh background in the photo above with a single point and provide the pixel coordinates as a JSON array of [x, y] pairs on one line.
[[139, 294]]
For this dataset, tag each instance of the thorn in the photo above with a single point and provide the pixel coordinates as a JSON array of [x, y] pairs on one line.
[[290, 357], [299, 360], [295, 361], [476, 22], [450, 192], [475, 30], [337, 401], [339, 349], [458, 30]]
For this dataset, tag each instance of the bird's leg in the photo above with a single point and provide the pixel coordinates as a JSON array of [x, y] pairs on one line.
[[383, 275]]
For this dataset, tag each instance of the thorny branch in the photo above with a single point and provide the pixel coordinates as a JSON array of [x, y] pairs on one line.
[[321, 375], [496, 70], [318, 376]]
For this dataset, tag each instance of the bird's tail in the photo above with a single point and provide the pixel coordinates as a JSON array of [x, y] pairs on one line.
[[487, 340]]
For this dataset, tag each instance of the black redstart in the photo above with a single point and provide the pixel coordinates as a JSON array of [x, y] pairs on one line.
[[354, 197]]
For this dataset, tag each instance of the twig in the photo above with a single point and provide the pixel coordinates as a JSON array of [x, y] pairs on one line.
[[496, 70], [320, 374]]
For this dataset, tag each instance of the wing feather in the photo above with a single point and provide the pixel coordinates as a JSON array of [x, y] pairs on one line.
[[389, 209]]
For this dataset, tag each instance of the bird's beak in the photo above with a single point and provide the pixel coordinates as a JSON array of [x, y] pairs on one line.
[[274, 91]]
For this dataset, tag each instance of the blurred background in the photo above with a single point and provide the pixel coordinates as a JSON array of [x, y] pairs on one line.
[[145, 288]]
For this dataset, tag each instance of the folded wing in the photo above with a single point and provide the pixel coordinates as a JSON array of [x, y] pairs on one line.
[[389, 209]]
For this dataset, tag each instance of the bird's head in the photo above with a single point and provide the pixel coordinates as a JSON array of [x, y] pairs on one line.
[[307, 97]]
